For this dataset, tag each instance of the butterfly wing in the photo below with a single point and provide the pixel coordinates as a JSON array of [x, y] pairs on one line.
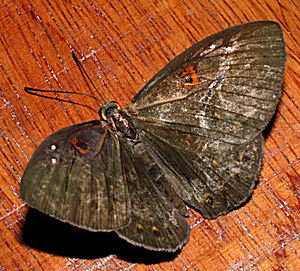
[[155, 223], [204, 113], [225, 87], [210, 175], [75, 175]]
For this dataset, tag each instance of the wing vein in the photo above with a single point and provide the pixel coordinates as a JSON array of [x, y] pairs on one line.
[[156, 121]]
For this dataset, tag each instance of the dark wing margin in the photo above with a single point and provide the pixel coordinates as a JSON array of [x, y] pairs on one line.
[[212, 176], [225, 87], [155, 223], [75, 175]]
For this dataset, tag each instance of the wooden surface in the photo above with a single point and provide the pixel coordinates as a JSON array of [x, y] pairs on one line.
[[122, 44]]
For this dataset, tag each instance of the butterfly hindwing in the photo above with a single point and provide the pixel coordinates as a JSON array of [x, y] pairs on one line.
[[225, 87], [210, 175], [155, 223], [75, 175]]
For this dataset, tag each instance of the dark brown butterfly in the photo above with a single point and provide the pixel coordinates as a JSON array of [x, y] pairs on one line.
[[192, 135]]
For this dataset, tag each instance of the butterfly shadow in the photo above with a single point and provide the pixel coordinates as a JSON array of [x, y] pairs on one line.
[[45, 233]]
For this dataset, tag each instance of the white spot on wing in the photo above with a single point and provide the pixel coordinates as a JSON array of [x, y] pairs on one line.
[[53, 147], [229, 49], [53, 161]]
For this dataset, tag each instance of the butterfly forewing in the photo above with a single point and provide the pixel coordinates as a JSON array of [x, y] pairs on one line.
[[75, 175], [225, 87]]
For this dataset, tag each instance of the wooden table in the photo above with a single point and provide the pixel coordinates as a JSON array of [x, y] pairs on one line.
[[122, 44]]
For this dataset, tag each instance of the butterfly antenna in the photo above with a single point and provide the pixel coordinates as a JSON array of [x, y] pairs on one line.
[[85, 73], [37, 92], [33, 91]]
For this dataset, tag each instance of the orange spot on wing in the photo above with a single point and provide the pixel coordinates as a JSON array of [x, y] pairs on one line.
[[82, 146], [241, 156], [209, 199], [187, 70], [139, 226], [155, 229], [193, 75]]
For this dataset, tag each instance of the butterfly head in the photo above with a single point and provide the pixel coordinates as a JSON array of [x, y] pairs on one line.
[[120, 122]]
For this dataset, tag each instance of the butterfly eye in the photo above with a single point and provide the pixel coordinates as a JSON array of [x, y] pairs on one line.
[[106, 108]]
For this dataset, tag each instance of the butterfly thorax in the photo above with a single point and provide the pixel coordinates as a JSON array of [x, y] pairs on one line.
[[119, 121]]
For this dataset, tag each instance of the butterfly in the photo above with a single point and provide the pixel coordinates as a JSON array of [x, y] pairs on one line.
[[191, 137]]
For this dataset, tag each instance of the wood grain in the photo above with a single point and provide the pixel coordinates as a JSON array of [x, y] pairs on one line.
[[122, 44]]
